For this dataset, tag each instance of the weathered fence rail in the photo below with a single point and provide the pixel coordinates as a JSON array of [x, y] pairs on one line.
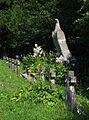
[[14, 64]]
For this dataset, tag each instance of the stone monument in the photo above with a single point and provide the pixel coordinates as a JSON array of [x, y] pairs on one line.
[[64, 56], [60, 44]]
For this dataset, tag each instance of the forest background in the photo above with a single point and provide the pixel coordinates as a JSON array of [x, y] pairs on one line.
[[26, 22]]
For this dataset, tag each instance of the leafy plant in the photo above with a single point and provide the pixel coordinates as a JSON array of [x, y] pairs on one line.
[[23, 100], [34, 63], [61, 71], [39, 92]]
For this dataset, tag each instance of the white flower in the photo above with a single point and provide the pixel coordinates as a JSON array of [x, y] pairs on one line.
[[78, 111], [38, 51], [39, 48], [36, 45], [41, 52], [39, 55]]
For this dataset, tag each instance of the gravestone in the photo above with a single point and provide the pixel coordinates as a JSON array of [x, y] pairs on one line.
[[60, 43], [52, 76], [70, 96], [30, 76], [42, 70]]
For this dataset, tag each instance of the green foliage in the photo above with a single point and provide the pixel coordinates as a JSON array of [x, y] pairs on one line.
[[27, 21], [32, 21], [23, 100], [40, 92], [61, 71], [33, 64]]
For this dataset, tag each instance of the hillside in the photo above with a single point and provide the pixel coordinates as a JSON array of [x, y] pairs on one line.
[[33, 100]]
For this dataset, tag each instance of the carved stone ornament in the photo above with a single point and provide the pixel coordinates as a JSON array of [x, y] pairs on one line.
[[60, 44]]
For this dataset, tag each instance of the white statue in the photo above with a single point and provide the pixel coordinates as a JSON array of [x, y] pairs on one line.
[[60, 43]]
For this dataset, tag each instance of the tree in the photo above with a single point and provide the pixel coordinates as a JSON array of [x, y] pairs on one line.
[[31, 21], [27, 21]]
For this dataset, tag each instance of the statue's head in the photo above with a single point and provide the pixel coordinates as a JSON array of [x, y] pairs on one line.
[[57, 23], [56, 20]]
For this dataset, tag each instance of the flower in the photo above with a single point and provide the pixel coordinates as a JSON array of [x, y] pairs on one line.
[[38, 51], [36, 45]]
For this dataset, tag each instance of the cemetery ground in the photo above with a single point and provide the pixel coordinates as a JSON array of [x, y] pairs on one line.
[[21, 99]]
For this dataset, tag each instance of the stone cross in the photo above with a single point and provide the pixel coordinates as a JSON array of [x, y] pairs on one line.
[[42, 70], [52, 76], [70, 96], [60, 43]]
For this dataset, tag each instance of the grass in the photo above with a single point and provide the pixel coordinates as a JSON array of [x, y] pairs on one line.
[[10, 83]]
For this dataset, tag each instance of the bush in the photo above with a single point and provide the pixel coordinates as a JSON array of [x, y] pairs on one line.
[[34, 62], [40, 92]]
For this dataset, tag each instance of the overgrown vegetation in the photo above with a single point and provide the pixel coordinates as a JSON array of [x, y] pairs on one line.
[[39, 59], [22, 99], [24, 23]]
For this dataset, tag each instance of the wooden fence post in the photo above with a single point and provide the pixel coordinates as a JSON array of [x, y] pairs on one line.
[[17, 64], [10, 62], [13, 63], [7, 60]]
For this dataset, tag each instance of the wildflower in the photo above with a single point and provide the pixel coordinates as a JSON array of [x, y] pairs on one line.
[[78, 111], [38, 51], [36, 45]]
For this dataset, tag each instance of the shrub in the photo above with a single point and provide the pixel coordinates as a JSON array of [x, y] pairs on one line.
[[40, 92], [34, 62]]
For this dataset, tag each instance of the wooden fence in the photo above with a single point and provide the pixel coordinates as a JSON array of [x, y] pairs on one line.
[[14, 64]]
